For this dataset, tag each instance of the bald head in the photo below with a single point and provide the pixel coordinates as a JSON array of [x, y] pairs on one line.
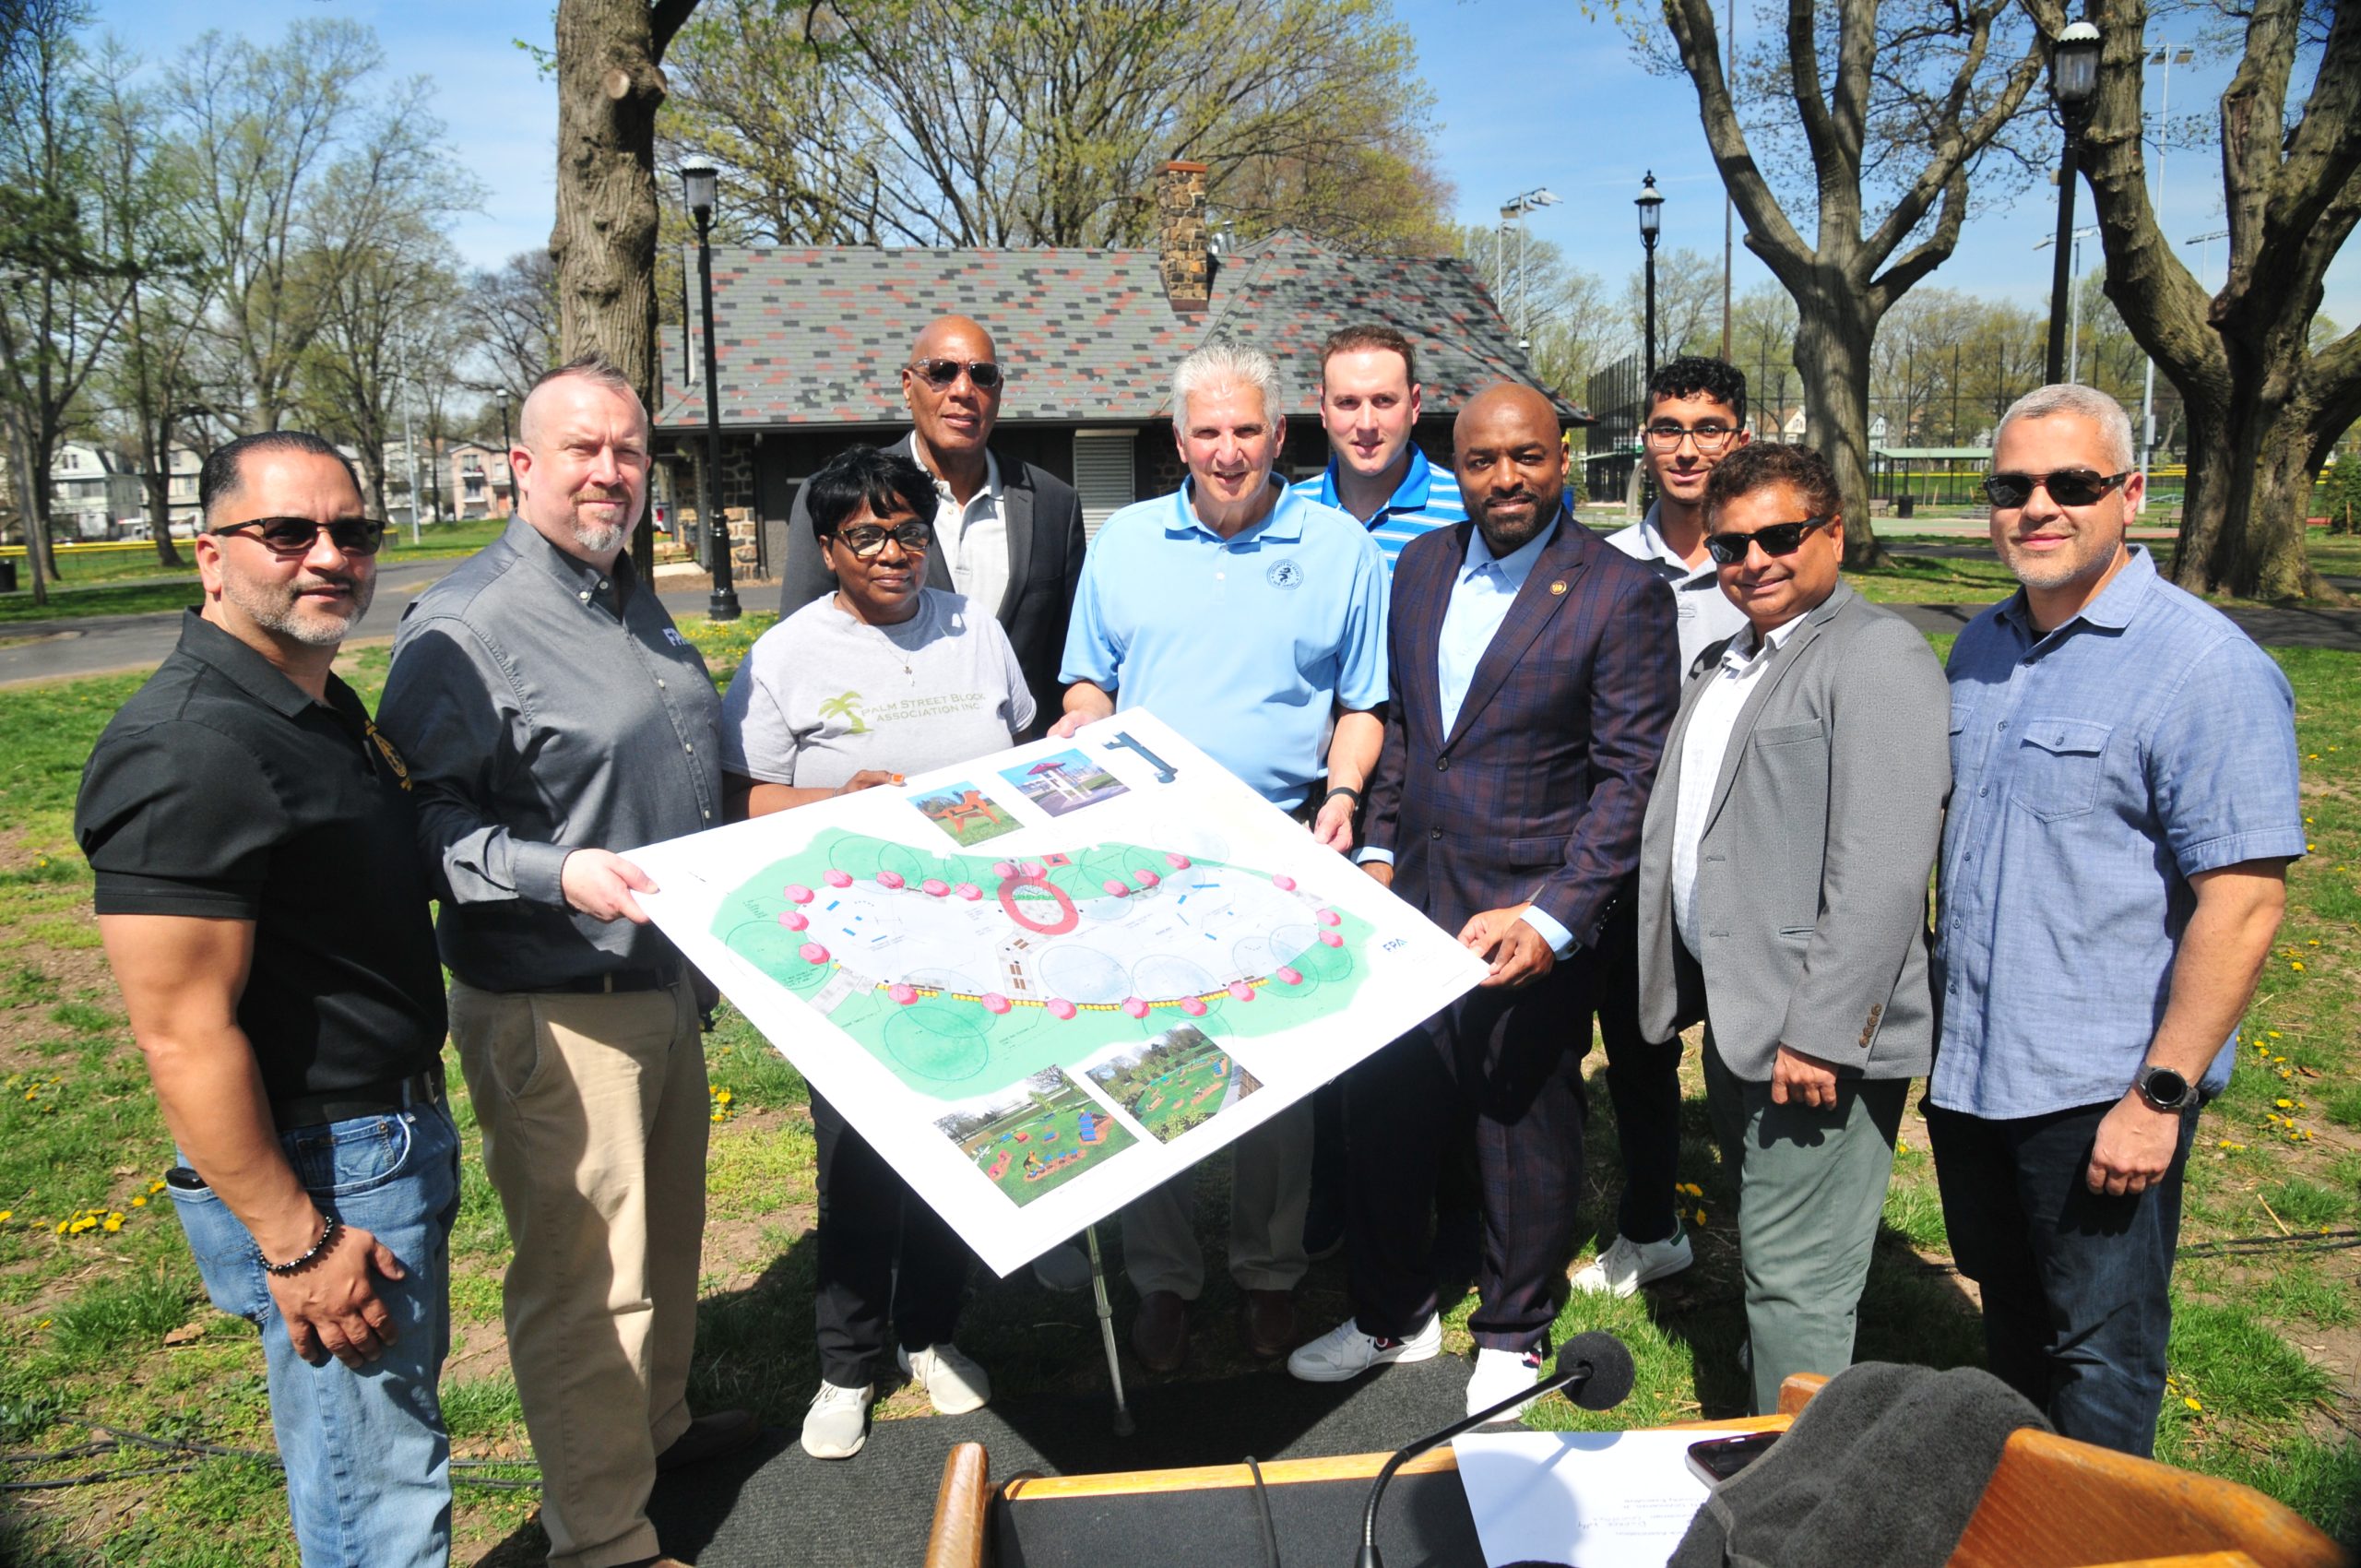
[[1512, 464], [953, 415], [953, 337]]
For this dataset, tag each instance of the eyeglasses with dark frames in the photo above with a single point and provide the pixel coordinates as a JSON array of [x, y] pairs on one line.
[[1777, 539], [2068, 487], [293, 538], [1710, 437], [983, 375], [868, 542]]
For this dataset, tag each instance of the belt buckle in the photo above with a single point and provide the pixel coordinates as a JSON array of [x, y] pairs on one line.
[[607, 982]]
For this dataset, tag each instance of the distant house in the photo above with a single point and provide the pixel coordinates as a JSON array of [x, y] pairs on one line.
[[95, 495], [810, 341], [481, 485]]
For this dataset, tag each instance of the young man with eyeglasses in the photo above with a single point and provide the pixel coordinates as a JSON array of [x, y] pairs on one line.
[[1008, 534], [1696, 417], [1782, 900], [2114, 870], [263, 910], [552, 712]]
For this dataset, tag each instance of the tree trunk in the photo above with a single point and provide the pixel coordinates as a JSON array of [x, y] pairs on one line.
[[1832, 357], [157, 482]]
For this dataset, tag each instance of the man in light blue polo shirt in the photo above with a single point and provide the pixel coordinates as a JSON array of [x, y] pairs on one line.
[[2124, 804], [1368, 405], [1243, 615]]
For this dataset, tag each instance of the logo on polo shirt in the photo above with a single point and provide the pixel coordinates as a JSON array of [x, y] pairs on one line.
[[1284, 574], [393, 758]]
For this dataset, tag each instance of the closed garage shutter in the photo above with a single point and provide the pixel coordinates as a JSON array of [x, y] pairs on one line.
[[1102, 474]]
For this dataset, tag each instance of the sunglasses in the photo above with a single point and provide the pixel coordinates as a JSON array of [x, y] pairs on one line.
[[868, 542], [1779, 538], [2068, 487], [983, 375], [293, 537]]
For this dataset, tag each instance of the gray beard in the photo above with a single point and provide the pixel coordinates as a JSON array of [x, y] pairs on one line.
[[281, 613]]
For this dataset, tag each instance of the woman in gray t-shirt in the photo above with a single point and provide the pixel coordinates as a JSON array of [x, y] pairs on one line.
[[885, 676]]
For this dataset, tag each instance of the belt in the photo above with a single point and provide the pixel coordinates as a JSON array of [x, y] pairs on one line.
[[366, 1100], [1315, 796], [664, 977]]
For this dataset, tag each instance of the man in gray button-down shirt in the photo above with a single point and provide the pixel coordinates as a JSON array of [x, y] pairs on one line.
[[550, 712]]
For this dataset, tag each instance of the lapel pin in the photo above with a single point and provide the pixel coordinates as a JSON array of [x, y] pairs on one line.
[[1558, 586]]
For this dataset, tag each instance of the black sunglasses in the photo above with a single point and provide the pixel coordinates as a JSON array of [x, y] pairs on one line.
[[868, 540], [2068, 487], [939, 373], [1779, 538], [293, 537]]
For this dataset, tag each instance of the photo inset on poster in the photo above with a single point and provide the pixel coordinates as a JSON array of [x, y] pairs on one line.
[[1035, 1135], [966, 813], [1173, 1081], [1065, 782]]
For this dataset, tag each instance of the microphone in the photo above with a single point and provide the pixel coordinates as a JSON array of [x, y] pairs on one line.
[[1596, 1368]]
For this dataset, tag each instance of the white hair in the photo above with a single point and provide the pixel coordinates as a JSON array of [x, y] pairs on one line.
[[2084, 403], [1224, 363]]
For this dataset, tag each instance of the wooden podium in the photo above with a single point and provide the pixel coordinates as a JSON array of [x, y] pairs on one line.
[[2052, 1503]]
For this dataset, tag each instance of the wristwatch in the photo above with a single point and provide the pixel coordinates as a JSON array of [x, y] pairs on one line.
[[2162, 1089]]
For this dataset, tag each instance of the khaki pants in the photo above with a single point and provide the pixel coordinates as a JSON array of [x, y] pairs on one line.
[[1268, 1193], [594, 1116]]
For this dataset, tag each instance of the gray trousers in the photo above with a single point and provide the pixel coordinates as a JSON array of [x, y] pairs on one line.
[[1268, 1195], [1811, 1187]]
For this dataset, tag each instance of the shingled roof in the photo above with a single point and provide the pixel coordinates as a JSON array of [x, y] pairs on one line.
[[816, 336]]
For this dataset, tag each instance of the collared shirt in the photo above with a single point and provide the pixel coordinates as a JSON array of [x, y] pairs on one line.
[[2094, 770], [1707, 616], [223, 791], [545, 706], [1242, 645], [1703, 747], [1426, 499], [974, 537]]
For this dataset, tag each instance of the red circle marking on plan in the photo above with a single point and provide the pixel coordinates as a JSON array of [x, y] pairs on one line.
[[793, 919], [1240, 990], [1330, 916], [1332, 939], [889, 879], [1283, 883], [1194, 1006], [838, 879], [1178, 863], [1060, 1008], [995, 1003], [1068, 917], [797, 894], [934, 887], [1290, 976], [1135, 1007], [969, 891], [902, 993], [813, 953]]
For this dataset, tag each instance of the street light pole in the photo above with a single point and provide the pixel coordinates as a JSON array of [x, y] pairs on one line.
[[2168, 56], [1651, 205], [1512, 211], [697, 185], [2073, 81], [410, 442], [508, 462]]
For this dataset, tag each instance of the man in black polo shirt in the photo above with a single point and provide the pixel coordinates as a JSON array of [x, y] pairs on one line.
[[264, 912]]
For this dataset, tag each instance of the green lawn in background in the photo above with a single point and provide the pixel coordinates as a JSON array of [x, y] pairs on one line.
[[103, 1322]]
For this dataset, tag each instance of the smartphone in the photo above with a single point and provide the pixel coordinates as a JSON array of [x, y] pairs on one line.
[[1716, 1461]]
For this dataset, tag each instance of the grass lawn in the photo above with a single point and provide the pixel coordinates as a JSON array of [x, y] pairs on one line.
[[103, 1325]]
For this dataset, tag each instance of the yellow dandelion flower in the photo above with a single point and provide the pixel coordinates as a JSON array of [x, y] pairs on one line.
[[154, 1187], [2283, 1104], [724, 1097], [139, 1202], [1699, 1216], [61, 1228], [2192, 1402], [2315, 942], [114, 1223], [6, 1215], [2297, 965], [717, 1116], [2273, 1033]]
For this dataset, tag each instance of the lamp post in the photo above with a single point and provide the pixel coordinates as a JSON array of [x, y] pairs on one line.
[[697, 183], [507, 464], [2168, 55], [1651, 205], [2073, 82]]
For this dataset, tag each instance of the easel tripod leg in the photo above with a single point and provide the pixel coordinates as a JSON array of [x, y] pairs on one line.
[[1124, 1425]]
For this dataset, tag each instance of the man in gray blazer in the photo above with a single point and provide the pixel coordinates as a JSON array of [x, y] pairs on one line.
[[1007, 535], [1783, 897]]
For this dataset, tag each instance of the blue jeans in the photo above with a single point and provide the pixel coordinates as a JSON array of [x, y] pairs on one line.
[[2077, 1303], [368, 1463]]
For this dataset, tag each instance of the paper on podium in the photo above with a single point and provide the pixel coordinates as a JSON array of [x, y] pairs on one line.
[[1587, 1499]]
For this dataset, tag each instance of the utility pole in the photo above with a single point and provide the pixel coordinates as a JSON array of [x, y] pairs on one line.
[[409, 441]]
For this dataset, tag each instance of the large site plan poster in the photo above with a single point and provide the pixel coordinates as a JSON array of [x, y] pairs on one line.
[[1045, 982]]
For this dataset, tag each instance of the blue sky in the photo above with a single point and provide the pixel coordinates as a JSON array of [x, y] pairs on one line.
[[1529, 93]]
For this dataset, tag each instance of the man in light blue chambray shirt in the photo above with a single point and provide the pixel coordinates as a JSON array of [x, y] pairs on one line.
[[2123, 809]]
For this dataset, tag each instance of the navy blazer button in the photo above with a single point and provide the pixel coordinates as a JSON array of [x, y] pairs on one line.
[[1442, 764], [1435, 833]]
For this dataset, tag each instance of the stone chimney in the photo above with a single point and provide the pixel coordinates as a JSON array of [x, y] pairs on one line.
[[1180, 227]]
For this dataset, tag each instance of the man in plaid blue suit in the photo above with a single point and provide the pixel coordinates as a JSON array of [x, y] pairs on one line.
[[1534, 673]]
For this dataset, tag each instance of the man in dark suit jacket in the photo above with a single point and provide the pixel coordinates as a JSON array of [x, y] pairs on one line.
[[1534, 673], [1007, 534]]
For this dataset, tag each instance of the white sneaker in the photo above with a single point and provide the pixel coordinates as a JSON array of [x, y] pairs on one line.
[[838, 1423], [1499, 1376], [954, 1384], [1064, 1268], [1626, 1264], [1346, 1352]]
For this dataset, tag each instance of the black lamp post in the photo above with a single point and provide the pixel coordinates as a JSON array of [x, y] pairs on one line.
[[698, 184], [1651, 206], [2073, 82], [507, 464]]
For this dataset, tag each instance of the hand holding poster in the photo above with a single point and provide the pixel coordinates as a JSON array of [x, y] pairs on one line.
[[1046, 981]]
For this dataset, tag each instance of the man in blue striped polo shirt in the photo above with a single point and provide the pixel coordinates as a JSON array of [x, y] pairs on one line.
[[1369, 404]]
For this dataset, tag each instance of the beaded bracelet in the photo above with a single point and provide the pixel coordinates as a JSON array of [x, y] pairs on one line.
[[330, 1227]]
